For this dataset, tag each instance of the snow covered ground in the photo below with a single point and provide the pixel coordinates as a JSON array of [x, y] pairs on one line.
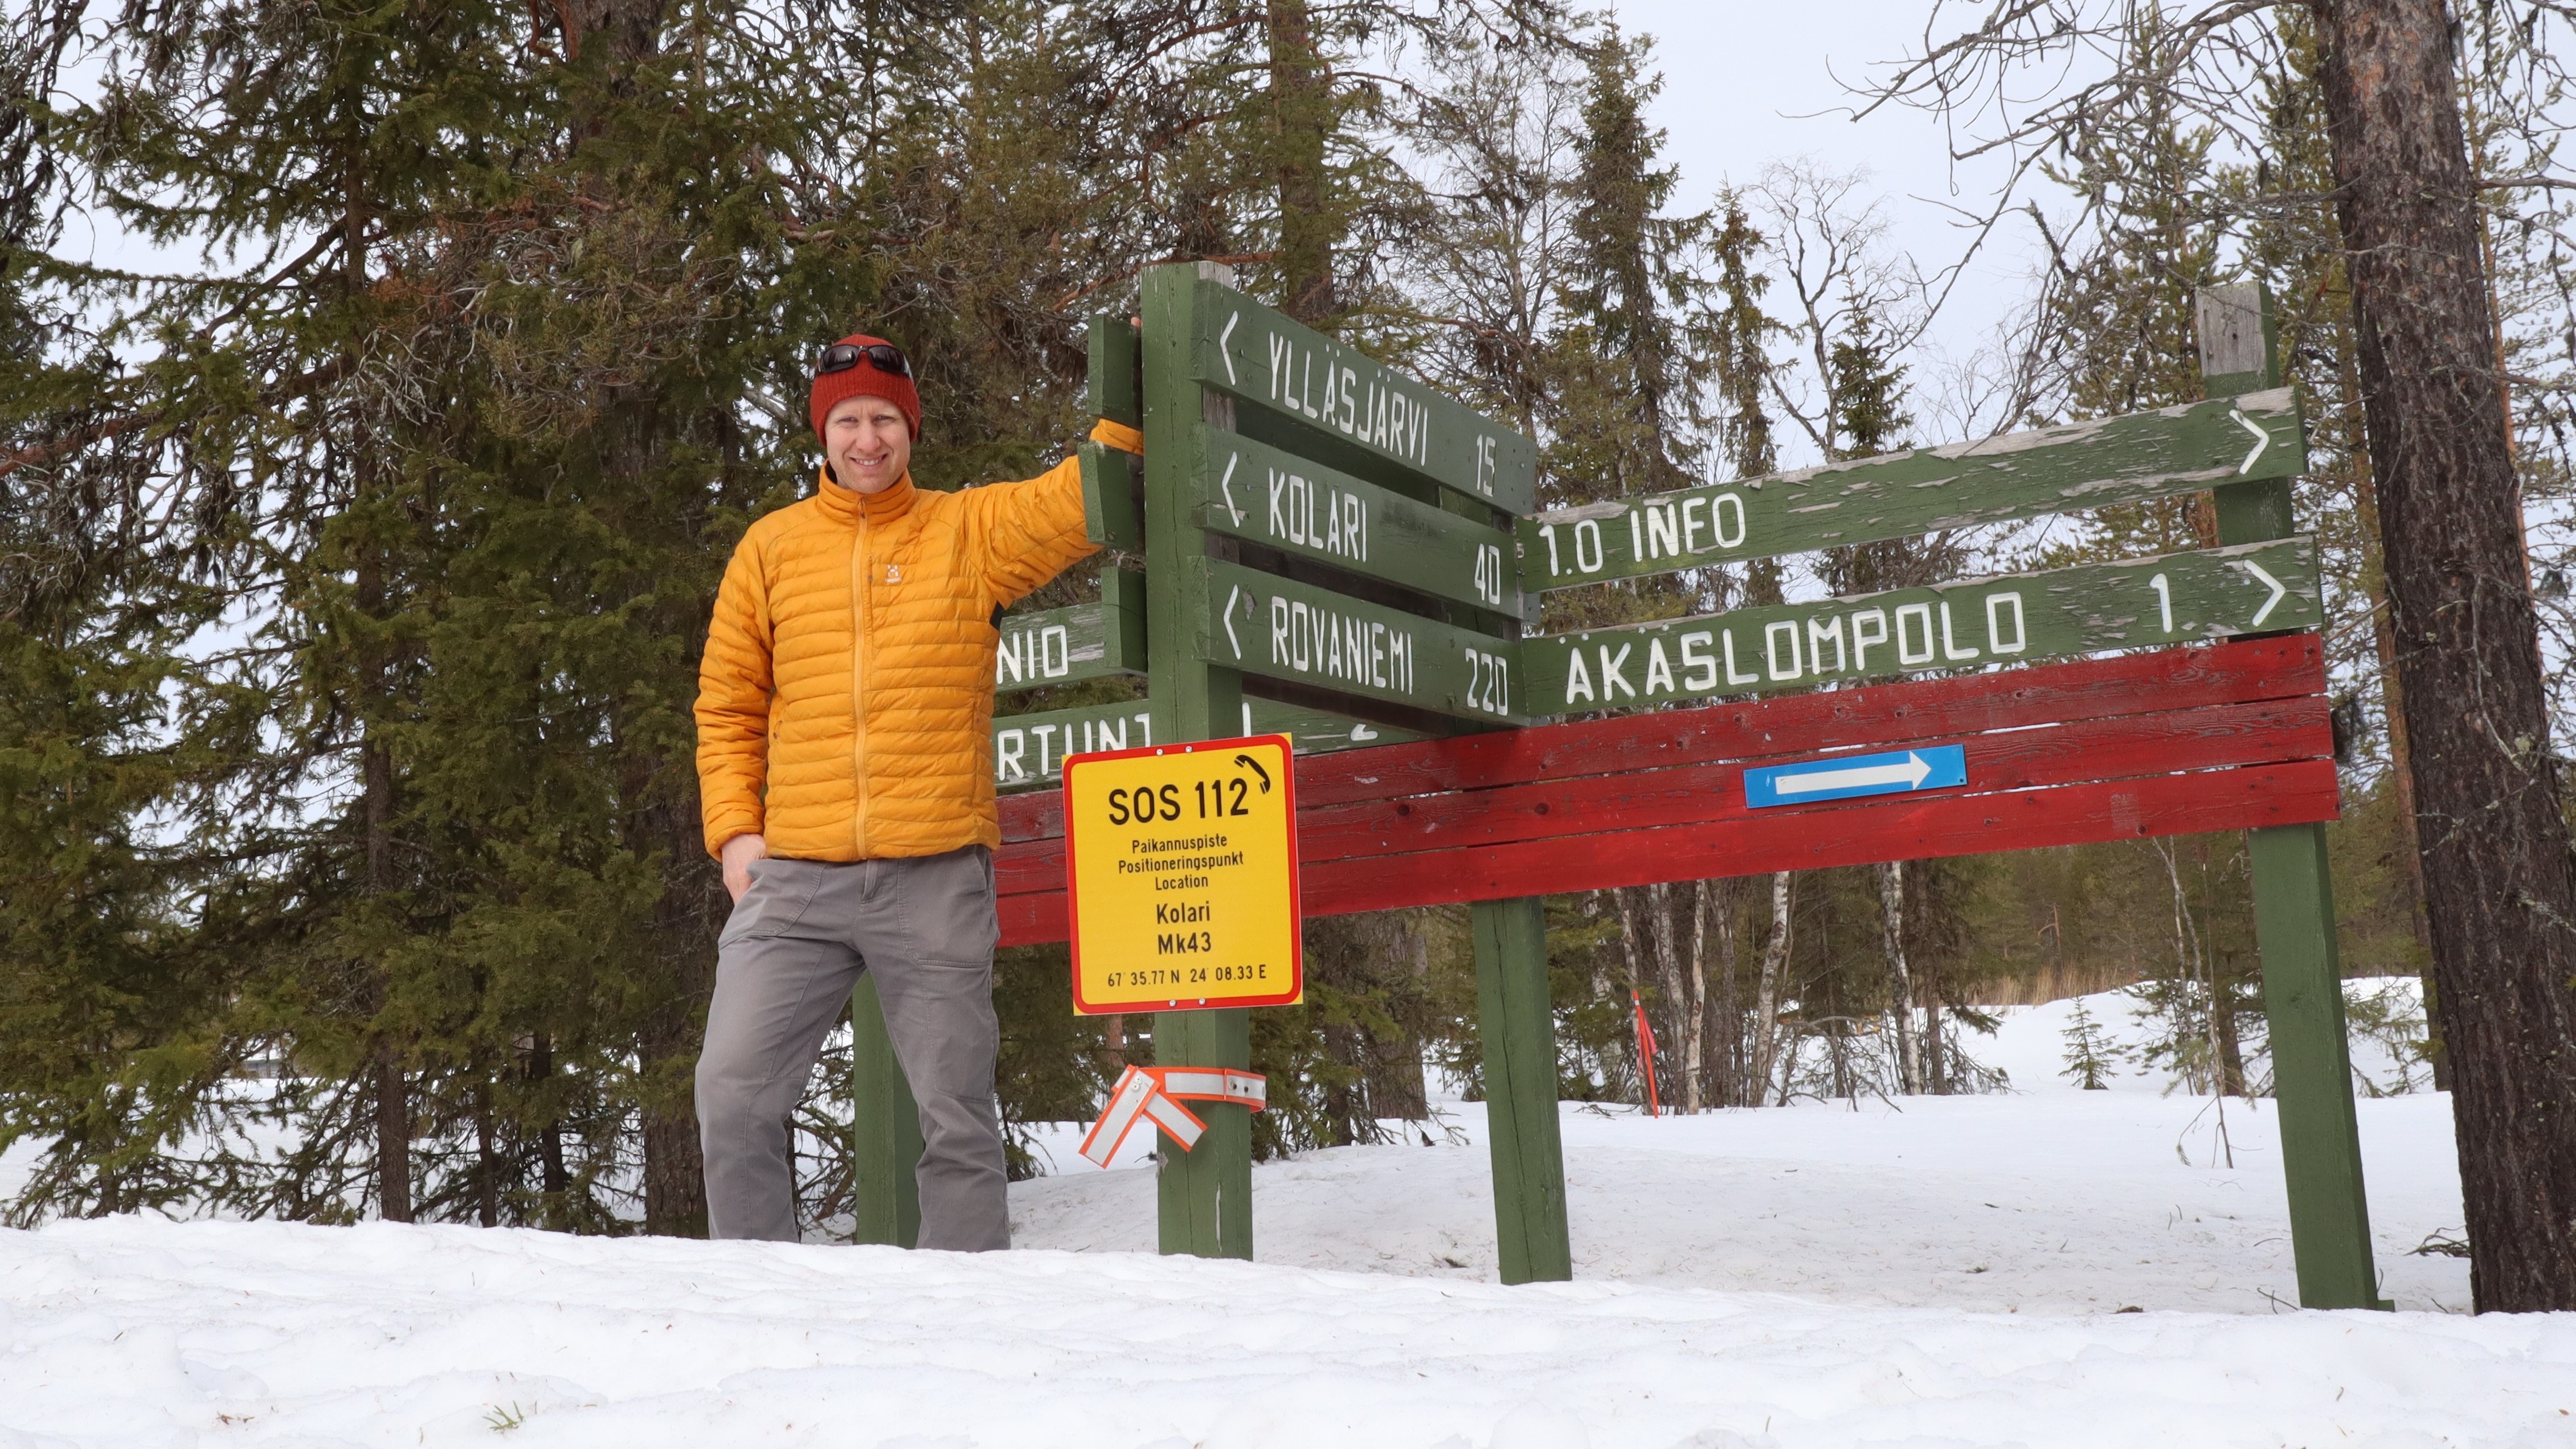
[[1950, 1274]]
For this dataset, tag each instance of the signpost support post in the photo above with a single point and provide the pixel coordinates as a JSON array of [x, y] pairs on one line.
[[2294, 920], [1519, 1032], [1205, 1194], [885, 1130]]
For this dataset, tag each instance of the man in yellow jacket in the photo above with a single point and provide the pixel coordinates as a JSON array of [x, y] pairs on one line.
[[844, 714]]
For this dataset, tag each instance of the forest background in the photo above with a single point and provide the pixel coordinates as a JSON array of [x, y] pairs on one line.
[[353, 573]]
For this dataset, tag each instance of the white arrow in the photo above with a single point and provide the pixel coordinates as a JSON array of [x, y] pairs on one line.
[[1227, 353], [2278, 592], [1227, 483], [1235, 591], [2262, 440], [1910, 774]]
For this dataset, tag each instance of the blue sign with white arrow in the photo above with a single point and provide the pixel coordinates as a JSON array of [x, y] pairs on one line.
[[1839, 777]]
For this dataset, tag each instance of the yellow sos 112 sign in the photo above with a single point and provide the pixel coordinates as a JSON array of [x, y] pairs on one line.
[[1181, 876]]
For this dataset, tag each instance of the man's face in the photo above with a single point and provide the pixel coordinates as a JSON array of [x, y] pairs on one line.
[[867, 443]]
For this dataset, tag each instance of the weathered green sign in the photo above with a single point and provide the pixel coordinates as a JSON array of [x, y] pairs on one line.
[[1112, 514], [2019, 475], [2175, 598], [1029, 749], [1271, 626], [1085, 641], [1253, 491], [1250, 352]]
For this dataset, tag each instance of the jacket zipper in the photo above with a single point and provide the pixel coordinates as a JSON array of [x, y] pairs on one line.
[[860, 614]]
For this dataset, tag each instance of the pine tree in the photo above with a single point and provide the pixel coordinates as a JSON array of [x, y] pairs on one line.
[[2090, 1058]]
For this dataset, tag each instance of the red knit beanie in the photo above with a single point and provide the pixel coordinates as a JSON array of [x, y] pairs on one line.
[[865, 380]]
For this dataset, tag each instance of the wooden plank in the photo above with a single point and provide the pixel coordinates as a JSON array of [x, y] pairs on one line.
[[2171, 598], [1250, 490], [1253, 622], [1517, 1029], [1029, 749], [2244, 671], [885, 1130], [1887, 828], [1203, 1197], [2265, 732], [1117, 371], [2231, 673], [1112, 507], [2294, 914], [2213, 738], [2020, 475], [1084, 641], [1261, 357]]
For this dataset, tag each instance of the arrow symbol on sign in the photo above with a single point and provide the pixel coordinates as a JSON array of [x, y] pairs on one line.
[[1235, 591], [1227, 484], [1910, 774], [2262, 439], [1224, 351], [2279, 591]]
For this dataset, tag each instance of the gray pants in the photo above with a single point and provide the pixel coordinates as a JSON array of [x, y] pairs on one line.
[[790, 955]]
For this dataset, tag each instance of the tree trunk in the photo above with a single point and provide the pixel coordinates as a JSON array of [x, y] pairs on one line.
[[686, 921], [2401, 759], [1900, 989], [2499, 884], [1695, 1021], [1766, 995], [1301, 111], [1729, 1026], [1682, 1005]]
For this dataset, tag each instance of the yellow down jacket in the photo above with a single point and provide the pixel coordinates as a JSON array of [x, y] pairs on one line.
[[845, 702]]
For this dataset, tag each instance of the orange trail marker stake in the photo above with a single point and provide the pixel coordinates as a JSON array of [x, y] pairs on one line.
[[1646, 1054]]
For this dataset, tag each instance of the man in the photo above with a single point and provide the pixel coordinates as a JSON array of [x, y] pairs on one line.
[[844, 712]]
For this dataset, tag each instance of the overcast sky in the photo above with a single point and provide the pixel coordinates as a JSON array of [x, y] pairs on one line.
[[1747, 84]]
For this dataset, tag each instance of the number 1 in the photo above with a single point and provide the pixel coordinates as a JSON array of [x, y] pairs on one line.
[[2164, 599]]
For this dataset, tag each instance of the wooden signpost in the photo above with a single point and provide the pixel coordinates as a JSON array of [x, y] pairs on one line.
[[1333, 551]]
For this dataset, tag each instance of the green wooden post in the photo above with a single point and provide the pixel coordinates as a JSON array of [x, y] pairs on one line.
[[885, 1130], [1519, 1032], [1204, 1195], [2294, 918]]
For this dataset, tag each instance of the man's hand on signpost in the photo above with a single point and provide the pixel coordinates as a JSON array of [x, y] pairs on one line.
[[738, 854]]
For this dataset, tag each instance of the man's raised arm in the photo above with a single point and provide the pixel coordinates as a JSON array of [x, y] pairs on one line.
[[1027, 532]]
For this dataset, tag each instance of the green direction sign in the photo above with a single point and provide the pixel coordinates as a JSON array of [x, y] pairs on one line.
[[2019, 475], [1029, 749], [2176, 598], [1247, 350], [1285, 630], [1060, 646], [1253, 491]]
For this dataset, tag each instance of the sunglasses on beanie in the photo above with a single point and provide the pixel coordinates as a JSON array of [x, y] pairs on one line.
[[842, 356]]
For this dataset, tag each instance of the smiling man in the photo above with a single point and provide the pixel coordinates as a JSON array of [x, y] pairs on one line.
[[844, 713]]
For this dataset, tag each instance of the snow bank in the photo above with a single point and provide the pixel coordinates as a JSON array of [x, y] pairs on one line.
[[132, 1332], [1956, 1272]]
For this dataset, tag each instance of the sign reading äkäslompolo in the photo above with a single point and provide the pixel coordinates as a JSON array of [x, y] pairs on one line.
[[2176, 598], [1252, 353], [2019, 475]]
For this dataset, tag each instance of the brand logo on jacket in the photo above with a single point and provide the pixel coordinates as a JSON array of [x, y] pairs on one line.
[[894, 574]]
